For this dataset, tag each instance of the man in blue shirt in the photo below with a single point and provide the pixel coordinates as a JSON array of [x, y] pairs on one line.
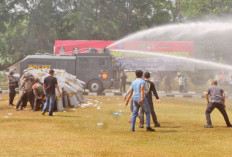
[[139, 100]]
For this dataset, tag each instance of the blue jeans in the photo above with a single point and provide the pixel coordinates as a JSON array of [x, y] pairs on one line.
[[51, 99], [136, 107]]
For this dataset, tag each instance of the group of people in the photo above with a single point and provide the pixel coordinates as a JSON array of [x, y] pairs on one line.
[[141, 92], [33, 91]]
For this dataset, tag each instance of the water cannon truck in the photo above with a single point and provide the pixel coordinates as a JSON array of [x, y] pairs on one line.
[[97, 70]]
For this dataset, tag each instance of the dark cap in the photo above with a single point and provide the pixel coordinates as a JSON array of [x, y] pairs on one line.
[[51, 71]]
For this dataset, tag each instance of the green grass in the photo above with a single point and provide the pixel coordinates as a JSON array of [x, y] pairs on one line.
[[75, 133]]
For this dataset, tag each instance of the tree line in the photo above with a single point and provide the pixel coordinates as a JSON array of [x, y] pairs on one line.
[[30, 26]]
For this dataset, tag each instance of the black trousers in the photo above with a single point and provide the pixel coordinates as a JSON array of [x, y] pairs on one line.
[[181, 88], [154, 117], [22, 100], [38, 103], [220, 107], [122, 87], [12, 94], [25, 97], [31, 98]]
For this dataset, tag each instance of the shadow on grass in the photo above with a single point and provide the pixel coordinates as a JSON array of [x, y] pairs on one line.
[[65, 116], [221, 127], [165, 131], [170, 127]]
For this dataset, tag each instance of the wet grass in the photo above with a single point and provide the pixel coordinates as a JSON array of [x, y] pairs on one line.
[[76, 133]]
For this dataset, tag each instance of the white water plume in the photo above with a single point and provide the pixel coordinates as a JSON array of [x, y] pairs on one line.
[[186, 31], [192, 60]]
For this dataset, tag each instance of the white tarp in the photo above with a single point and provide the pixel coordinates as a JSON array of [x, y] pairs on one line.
[[70, 87]]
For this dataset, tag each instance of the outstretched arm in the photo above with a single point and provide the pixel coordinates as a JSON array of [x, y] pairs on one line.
[[129, 96], [155, 93], [58, 89], [224, 100], [141, 94]]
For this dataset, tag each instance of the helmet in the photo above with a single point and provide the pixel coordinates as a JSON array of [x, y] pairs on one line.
[[12, 71]]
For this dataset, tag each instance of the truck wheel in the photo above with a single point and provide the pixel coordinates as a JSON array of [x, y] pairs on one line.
[[95, 86]]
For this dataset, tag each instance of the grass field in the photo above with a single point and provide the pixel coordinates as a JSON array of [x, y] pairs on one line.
[[76, 133]]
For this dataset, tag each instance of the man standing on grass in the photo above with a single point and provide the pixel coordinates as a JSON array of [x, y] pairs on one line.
[[26, 84], [139, 100], [50, 84], [123, 78], [218, 98], [13, 83], [150, 88]]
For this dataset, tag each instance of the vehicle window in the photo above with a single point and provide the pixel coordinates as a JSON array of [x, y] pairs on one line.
[[103, 62]]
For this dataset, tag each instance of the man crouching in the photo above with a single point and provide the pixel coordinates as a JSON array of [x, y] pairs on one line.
[[218, 98]]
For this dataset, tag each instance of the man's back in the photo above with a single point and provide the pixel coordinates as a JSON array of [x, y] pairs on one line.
[[136, 85], [28, 83], [150, 87], [50, 83], [216, 94]]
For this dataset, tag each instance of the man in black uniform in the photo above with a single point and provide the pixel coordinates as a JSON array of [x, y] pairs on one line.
[[150, 88], [13, 83], [123, 78], [26, 84], [218, 98]]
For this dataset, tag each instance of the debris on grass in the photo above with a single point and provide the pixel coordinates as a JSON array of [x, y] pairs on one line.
[[117, 114], [100, 124]]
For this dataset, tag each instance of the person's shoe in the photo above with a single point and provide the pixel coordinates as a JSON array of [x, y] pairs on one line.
[[157, 125], [150, 129], [43, 113], [229, 125], [132, 129], [208, 126], [141, 126], [11, 104], [16, 109]]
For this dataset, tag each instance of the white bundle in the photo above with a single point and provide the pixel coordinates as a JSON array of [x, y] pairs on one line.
[[70, 87]]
